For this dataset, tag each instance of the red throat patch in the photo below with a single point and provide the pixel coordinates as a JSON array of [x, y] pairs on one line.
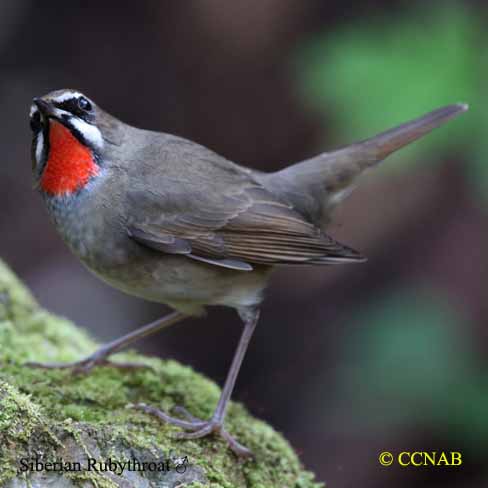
[[70, 164]]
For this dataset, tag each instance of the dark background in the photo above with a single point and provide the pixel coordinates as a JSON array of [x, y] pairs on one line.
[[347, 361]]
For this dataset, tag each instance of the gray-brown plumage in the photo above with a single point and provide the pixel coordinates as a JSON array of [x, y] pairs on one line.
[[168, 220]]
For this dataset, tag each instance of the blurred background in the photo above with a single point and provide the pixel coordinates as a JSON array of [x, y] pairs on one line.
[[347, 361]]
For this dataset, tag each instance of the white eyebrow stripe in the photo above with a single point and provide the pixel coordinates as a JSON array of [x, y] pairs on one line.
[[66, 96]]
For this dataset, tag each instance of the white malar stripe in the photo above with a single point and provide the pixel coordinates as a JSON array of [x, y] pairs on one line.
[[39, 147], [67, 95], [91, 133], [33, 110]]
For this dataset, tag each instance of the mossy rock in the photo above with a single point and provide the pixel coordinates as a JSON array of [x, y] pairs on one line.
[[51, 416]]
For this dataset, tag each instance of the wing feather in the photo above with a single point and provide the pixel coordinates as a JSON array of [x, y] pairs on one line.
[[221, 215]]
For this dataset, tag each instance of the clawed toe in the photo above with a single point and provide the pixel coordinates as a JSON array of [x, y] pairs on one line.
[[238, 449], [196, 428], [86, 365], [77, 367], [185, 413], [184, 424], [206, 429], [212, 427]]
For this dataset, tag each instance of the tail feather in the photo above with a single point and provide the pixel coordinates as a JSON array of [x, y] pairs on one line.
[[314, 186], [382, 145]]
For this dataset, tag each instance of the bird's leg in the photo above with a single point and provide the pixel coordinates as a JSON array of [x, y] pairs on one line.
[[100, 356], [200, 428]]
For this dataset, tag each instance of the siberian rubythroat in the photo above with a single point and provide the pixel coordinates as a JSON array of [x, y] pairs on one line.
[[165, 219]]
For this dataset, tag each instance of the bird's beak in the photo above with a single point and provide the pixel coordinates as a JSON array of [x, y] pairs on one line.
[[46, 108]]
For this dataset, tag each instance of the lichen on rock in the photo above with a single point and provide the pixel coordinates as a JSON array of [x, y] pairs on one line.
[[80, 430]]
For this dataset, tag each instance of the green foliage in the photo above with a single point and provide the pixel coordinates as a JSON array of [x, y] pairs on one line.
[[381, 71], [407, 348], [408, 363]]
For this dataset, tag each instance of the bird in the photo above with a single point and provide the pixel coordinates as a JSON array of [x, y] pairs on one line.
[[168, 220]]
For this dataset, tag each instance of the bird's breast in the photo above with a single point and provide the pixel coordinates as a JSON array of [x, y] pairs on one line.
[[92, 229]]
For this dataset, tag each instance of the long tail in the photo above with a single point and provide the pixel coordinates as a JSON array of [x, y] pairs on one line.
[[314, 186]]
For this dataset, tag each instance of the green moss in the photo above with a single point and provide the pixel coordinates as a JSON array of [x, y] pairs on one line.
[[59, 414]]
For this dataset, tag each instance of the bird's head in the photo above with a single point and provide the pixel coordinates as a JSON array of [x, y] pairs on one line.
[[69, 137]]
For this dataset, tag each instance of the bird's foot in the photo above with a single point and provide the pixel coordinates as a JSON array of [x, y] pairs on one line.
[[197, 428], [84, 366]]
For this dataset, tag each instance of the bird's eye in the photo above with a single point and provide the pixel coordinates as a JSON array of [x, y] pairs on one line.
[[35, 122], [84, 104]]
